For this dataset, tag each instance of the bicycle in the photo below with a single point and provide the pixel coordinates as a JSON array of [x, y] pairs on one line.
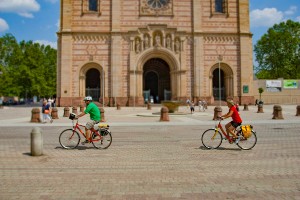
[[100, 138], [212, 138]]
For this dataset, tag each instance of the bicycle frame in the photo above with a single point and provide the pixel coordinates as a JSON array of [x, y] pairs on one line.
[[77, 127], [220, 127]]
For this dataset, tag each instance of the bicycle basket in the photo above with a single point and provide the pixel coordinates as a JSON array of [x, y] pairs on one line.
[[72, 116], [247, 130]]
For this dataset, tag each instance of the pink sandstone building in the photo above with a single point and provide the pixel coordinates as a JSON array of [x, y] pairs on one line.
[[127, 52]]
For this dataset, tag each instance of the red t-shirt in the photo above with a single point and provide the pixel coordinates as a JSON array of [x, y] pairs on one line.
[[235, 115]]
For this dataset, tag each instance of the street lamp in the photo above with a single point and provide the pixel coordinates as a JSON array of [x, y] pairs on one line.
[[134, 88], [220, 52], [103, 86], [220, 58]]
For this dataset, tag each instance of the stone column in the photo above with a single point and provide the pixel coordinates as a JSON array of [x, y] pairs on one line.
[[36, 142], [35, 115], [298, 110], [54, 113], [217, 112], [164, 114], [277, 112], [66, 112]]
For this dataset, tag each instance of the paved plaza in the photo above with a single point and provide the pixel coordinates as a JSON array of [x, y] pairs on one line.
[[149, 159]]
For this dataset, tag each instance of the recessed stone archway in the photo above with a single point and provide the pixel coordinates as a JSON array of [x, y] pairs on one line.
[[156, 79], [227, 81], [91, 81], [177, 78]]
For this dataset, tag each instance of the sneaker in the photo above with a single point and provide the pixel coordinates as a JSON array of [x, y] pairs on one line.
[[51, 121], [85, 142], [237, 140]]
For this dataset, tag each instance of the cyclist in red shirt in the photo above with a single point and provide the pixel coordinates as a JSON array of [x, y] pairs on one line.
[[236, 119]]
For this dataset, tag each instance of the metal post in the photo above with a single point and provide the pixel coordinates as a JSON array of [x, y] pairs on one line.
[[134, 94], [220, 59], [103, 88]]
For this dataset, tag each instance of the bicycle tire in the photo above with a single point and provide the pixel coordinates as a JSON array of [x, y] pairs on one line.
[[105, 142], [247, 143], [211, 139], [69, 139]]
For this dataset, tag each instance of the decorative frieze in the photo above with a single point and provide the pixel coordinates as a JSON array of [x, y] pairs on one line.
[[90, 38], [220, 39]]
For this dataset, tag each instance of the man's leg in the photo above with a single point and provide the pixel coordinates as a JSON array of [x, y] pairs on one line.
[[87, 134]]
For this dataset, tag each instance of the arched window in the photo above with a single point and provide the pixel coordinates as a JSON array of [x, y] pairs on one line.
[[220, 6], [93, 5]]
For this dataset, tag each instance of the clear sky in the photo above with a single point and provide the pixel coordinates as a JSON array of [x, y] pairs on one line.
[[38, 20]]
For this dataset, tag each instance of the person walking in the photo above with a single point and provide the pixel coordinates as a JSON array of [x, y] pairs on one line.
[[192, 107], [46, 111]]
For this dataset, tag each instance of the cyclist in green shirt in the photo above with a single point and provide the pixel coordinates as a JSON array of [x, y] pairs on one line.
[[95, 116]]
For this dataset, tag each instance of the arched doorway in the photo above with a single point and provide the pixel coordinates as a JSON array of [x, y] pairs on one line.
[[218, 87], [156, 80], [93, 84]]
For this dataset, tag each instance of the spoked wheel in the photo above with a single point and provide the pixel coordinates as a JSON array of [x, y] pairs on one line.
[[103, 141], [69, 139], [248, 143], [211, 139]]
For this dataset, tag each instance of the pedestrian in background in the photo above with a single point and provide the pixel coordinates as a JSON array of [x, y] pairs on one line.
[[46, 111]]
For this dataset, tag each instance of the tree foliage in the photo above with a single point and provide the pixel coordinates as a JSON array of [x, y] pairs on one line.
[[278, 52], [28, 69]]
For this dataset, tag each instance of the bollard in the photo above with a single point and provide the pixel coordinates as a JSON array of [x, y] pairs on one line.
[[81, 108], [164, 114], [217, 112], [54, 114], [148, 106], [102, 114], [277, 112], [246, 107], [298, 111], [118, 107], [74, 110], [36, 142], [35, 115], [66, 112], [260, 108]]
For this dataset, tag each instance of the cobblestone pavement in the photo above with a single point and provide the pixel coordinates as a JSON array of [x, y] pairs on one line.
[[151, 160]]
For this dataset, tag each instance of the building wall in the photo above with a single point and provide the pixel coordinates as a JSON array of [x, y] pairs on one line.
[[107, 40], [286, 96]]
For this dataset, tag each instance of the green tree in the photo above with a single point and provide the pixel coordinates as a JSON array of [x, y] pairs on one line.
[[278, 52], [260, 91], [29, 69]]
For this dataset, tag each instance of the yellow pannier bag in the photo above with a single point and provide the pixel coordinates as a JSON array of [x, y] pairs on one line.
[[246, 129], [103, 125]]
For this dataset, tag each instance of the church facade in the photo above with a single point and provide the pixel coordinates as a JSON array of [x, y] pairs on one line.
[[128, 52]]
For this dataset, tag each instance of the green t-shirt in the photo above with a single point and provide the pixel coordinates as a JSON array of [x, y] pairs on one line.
[[94, 112]]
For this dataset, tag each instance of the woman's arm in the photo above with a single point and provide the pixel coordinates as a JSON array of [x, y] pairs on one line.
[[229, 114]]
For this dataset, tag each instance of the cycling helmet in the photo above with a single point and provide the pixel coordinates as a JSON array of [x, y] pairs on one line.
[[88, 98]]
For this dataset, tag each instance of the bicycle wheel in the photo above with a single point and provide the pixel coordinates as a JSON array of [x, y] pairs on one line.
[[69, 139], [211, 139], [102, 142], [247, 143]]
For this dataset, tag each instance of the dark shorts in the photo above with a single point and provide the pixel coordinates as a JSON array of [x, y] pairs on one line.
[[234, 124]]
